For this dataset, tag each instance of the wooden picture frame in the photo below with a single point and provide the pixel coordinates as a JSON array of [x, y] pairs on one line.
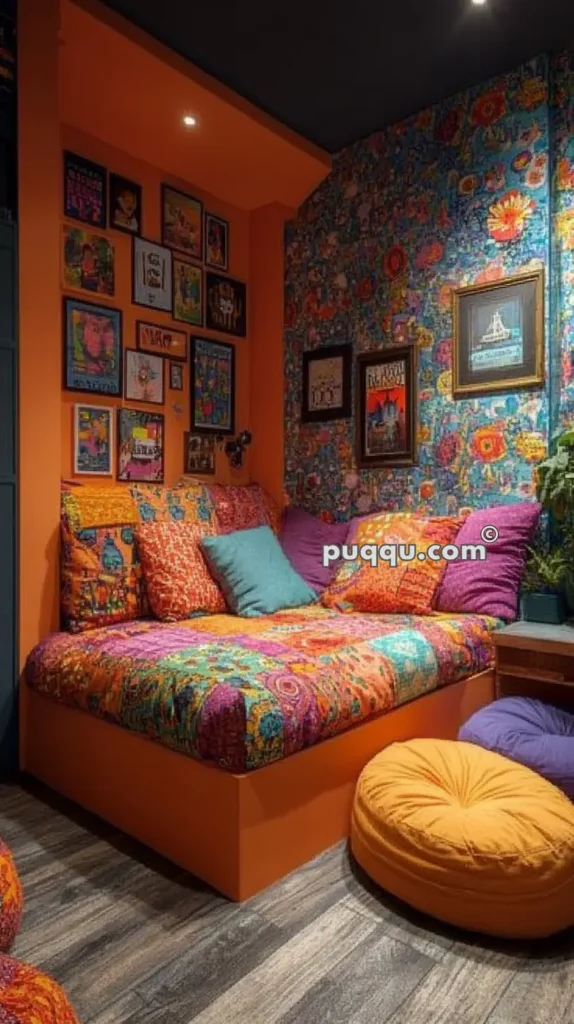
[[385, 403], [167, 342], [198, 454], [327, 382], [498, 335], [212, 387]]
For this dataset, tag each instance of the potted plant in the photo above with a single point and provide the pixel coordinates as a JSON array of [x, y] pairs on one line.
[[542, 597], [556, 494]]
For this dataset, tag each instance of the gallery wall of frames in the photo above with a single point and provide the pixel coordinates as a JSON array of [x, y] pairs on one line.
[[154, 316]]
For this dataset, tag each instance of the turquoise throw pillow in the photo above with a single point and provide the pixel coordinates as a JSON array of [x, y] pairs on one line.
[[254, 574]]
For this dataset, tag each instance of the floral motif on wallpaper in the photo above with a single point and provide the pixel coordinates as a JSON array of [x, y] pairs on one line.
[[563, 238], [456, 195]]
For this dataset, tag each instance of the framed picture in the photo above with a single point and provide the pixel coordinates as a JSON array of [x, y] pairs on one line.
[[125, 205], [385, 408], [89, 261], [140, 446], [198, 453], [212, 387], [181, 222], [93, 440], [225, 305], [161, 341], [176, 376], [92, 348], [143, 381], [187, 292], [216, 242], [84, 190], [152, 275], [499, 335], [327, 384]]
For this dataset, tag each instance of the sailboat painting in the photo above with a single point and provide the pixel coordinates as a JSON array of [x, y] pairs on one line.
[[496, 336], [498, 342]]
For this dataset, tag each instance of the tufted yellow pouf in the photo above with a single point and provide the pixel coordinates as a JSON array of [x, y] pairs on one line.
[[29, 997], [11, 899], [467, 836]]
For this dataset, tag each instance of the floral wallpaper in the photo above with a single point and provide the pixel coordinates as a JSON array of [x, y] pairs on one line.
[[562, 124], [457, 194]]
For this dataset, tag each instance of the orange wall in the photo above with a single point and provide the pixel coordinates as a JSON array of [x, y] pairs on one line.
[[176, 408]]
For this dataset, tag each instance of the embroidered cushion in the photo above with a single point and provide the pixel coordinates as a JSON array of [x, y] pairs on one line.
[[178, 581], [409, 586], [244, 508], [255, 576], [362, 530], [101, 574], [190, 503], [29, 997]]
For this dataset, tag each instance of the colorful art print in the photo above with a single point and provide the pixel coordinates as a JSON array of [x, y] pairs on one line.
[[84, 190], [225, 305], [327, 384], [212, 387], [385, 413], [216, 242], [140, 446], [499, 335], [125, 205], [7, 53], [161, 341], [143, 381], [198, 454], [187, 292], [176, 376], [92, 348], [181, 222], [89, 261], [152, 275], [93, 440]]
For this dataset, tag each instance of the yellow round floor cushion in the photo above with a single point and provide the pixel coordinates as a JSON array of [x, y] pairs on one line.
[[467, 836]]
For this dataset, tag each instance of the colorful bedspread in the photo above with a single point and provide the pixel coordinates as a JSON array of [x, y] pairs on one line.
[[242, 693]]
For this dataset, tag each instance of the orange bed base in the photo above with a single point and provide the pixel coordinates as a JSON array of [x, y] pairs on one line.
[[239, 833]]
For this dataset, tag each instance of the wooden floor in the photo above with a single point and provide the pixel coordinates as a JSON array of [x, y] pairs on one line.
[[133, 939]]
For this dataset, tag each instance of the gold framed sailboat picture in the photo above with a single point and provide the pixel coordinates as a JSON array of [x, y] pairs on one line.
[[498, 342]]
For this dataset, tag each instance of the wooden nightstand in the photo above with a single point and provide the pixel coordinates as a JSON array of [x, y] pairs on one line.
[[535, 660]]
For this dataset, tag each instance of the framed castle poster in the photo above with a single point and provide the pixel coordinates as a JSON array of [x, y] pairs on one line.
[[385, 412], [499, 335]]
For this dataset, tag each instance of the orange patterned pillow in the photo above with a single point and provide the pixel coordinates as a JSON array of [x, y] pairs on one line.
[[178, 581], [409, 587], [364, 530], [244, 508]]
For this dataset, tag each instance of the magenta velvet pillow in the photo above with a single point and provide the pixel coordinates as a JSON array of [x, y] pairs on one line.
[[490, 587], [303, 538]]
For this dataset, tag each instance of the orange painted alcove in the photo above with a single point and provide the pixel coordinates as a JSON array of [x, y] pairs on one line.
[[91, 82]]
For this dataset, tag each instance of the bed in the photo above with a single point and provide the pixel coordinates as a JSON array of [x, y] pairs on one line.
[[274, 717]]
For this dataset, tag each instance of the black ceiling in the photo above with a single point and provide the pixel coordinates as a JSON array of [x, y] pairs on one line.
[[339, 70]]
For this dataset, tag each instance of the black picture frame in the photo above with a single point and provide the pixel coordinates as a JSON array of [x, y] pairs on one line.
[[207, 442], [173, 367], [224, 224], [70, 301], [116, 185], [162, 330], [499, 325], [140, 242], [76, 164], [133, 353], [159, 417], [195, 343], [397, 369], [193, 252], [176, 311], [342, 410], [219, 288]]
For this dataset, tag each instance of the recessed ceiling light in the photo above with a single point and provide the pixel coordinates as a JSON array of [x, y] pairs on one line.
[[189, 121], [479, 3]]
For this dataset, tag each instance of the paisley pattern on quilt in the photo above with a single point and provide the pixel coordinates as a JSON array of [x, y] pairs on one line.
[[243, 693]]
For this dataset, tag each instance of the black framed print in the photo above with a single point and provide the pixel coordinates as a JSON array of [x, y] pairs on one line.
[[327, 374], [385, 414]]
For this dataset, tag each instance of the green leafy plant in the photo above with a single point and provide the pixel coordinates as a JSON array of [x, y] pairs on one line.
[[545, 571], [555, 491]]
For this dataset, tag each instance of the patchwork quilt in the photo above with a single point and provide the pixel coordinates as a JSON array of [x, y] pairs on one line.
[[241, 693]]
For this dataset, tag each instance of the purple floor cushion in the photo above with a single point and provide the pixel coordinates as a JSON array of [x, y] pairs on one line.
[[530, 732]]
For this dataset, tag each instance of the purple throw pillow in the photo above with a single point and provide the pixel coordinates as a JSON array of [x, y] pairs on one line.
[[303, 538], [490, 587]]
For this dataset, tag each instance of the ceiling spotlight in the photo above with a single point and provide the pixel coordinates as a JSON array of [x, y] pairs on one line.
[[189, 121], [479, 3]]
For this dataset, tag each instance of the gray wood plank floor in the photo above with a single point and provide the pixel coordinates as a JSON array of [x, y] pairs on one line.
[[134, 940]]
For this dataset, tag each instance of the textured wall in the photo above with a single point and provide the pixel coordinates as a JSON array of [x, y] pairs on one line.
[[458, 194]]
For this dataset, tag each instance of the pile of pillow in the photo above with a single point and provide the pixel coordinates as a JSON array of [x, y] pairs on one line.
[[192, 550]]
